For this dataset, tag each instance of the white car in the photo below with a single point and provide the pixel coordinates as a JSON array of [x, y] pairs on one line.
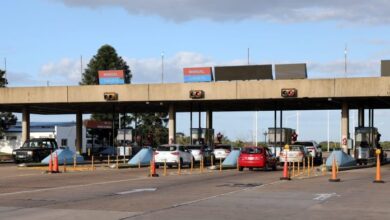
[[172, 154], [221, 151], [197, 152], [313, 148], [295, 154]]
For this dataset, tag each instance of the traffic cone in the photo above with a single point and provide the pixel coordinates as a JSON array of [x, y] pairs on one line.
[[55, 165], [50, 163], [285, 170], [378, 178], [153, 168], [334, 172]]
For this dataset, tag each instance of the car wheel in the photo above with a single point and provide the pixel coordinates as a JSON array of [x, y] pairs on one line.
[[265, 168], [157, 166], [181, 162], [240, 168], [274, 167]]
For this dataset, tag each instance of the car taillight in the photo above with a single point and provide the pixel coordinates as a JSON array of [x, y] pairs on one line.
[[155, 153], [227, 151], [300, 154], [175, 153]]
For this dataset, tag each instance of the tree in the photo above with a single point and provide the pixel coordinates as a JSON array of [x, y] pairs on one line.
[[151, 127], [105, 59], [6, 118]]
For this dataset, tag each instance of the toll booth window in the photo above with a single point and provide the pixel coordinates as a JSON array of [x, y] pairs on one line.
[[64, 142]]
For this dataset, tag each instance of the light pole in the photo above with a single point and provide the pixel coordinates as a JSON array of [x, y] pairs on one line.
[[265, 137], [162, 67]]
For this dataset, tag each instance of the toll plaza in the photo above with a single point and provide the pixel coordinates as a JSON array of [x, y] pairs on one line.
[[261, 95], [100, 192]]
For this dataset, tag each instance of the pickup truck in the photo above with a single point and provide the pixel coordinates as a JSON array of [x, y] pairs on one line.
[[35, 150]]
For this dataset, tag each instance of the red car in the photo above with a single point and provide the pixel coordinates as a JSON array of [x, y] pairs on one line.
[[256, 157]]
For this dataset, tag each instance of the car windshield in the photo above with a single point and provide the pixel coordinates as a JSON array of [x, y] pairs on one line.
[[194, 147], [166, 148], [252, 150], [306, 144], [226, 147], [296, 148], [38, 144]]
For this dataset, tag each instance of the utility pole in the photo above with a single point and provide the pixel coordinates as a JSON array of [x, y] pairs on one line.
[[162, 67], [345, 60]]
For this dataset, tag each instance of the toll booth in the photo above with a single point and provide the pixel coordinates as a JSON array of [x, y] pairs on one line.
[[202, 136], [279, 137], [365, 144]]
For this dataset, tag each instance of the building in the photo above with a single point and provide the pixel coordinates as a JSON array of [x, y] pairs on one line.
[[63, 132]]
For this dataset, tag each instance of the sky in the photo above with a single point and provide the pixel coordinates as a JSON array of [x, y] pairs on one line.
[[44, 41]]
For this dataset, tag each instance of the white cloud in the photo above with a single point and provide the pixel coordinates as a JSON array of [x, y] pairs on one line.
[[336, 69], [64, 72], [149, 70], [353, 11]]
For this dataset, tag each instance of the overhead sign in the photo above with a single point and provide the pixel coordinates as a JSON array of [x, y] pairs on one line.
[[111, 77], [98, 124], [249, 72], [198, 74]]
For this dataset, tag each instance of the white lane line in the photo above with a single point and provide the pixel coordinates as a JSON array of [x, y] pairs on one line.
[[71, 186], [137, 191], [324, 196]]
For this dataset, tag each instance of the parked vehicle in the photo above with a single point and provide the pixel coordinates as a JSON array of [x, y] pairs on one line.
[[172, 154], [275, 150], [296, 153], [313, 148], [35, 150], [256, 157], [221, 151], [201, 151]]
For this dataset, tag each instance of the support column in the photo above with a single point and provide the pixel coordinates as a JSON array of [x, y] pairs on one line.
[[361, 117], [191, 141], [79, 132], [209, 125], [344, 127], [172, 124], [209, 119], [25, 125]]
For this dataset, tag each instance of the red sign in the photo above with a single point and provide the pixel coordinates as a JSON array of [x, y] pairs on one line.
[[98, 124], [197, 71], [111, 74]]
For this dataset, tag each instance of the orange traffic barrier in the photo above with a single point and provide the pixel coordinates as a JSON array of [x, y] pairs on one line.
[[64, 168], [51, 163], [334, 172], [153, 168], [285, 170], [378, 178], [55, 165]]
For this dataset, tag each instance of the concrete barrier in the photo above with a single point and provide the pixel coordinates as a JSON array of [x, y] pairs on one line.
[[143, 157]]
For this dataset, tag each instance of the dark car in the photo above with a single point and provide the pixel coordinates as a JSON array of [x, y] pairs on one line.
[[35, 150]]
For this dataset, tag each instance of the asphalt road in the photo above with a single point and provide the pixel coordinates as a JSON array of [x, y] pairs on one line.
[[130, 194]]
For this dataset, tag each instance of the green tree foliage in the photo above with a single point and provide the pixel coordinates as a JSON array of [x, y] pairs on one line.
[[6, 118], [151, 127], [105, 59]]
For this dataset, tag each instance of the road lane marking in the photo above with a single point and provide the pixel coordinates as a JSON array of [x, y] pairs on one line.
[[137, 191], [324, 196], [71, 186]]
